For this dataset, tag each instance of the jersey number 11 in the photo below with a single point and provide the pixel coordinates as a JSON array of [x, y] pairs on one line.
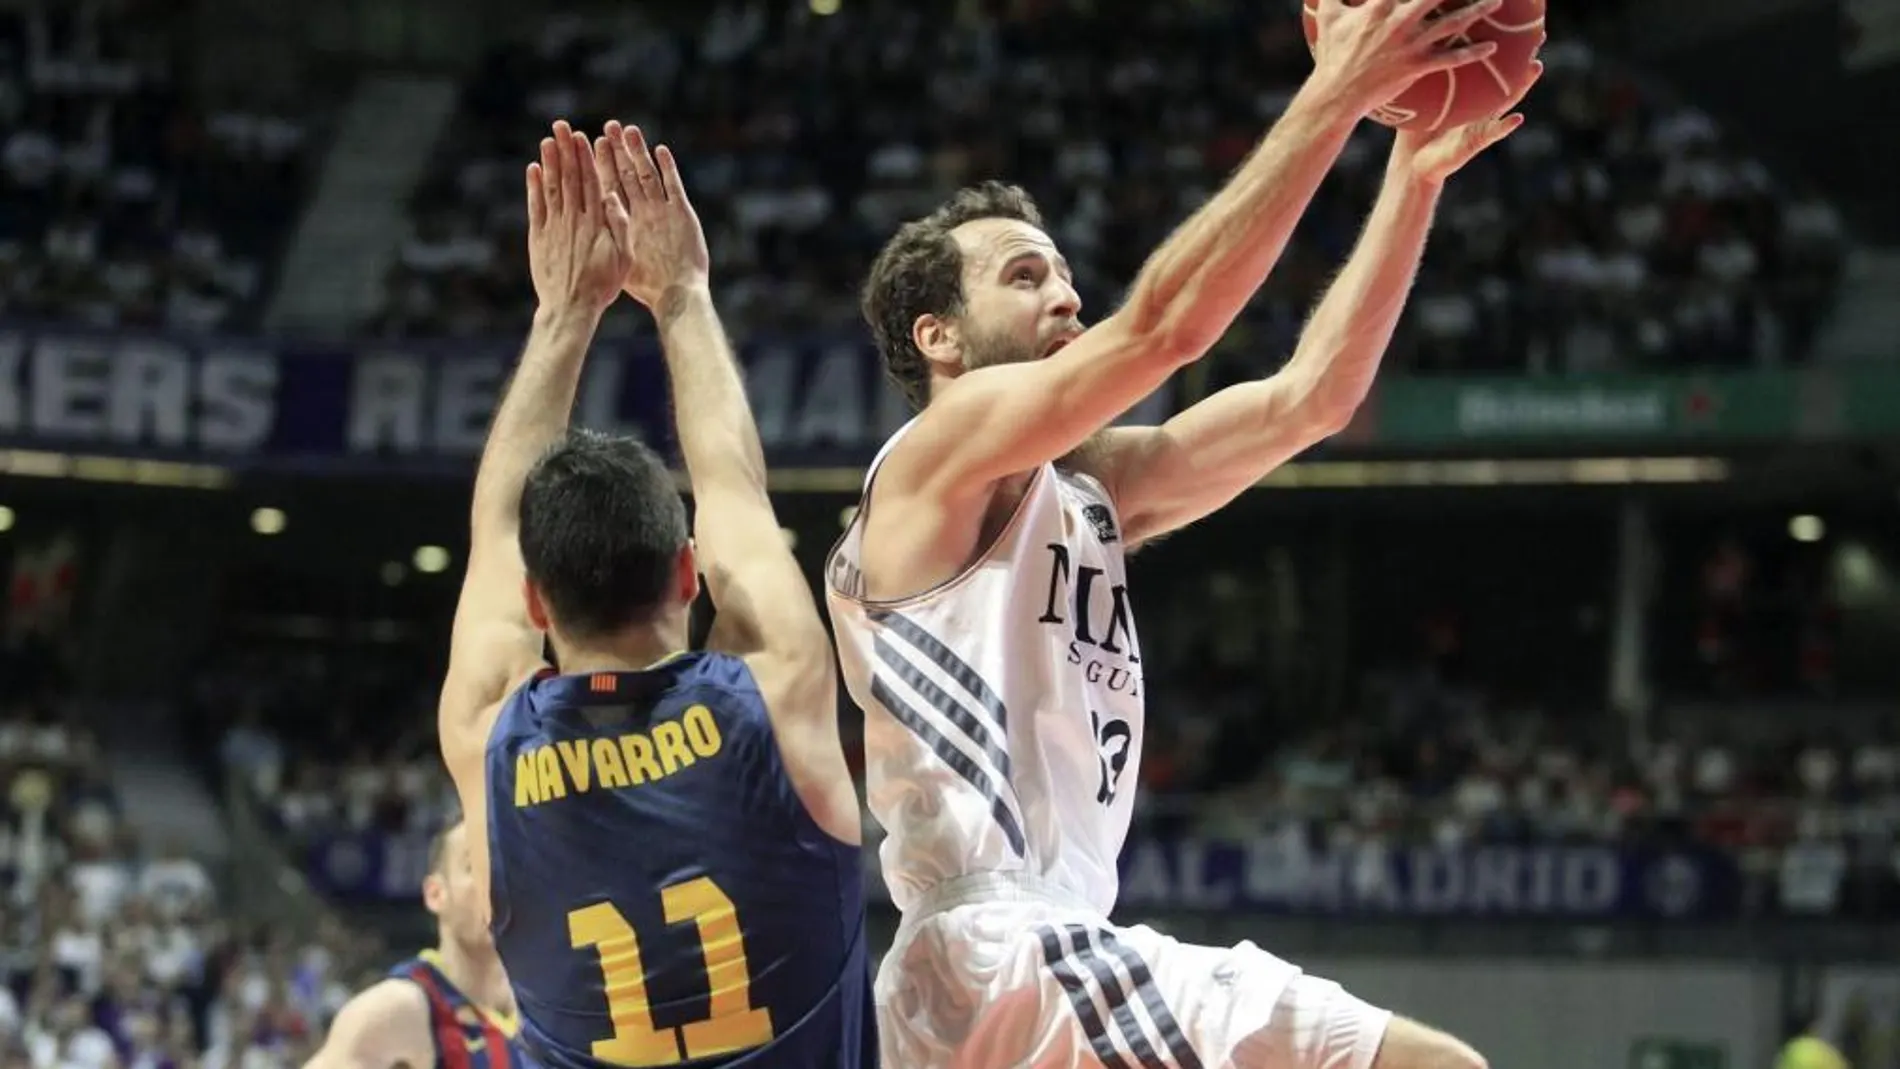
[[733, 1024]]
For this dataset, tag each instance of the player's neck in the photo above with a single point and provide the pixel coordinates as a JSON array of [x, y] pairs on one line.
[[478, 976], [632, 650]]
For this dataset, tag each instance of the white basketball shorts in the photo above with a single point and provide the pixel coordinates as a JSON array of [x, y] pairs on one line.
[[1018, 982]]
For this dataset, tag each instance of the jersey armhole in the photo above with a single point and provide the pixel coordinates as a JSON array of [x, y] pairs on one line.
[[1100, 489], [499, 913], [1003, 533]]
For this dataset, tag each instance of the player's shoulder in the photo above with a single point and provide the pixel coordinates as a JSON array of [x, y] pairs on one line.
[[727, 685], [393, 1001], [510, 715], [715, 670]]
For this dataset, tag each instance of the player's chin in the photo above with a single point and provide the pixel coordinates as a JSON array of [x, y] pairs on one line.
[[998, 359]]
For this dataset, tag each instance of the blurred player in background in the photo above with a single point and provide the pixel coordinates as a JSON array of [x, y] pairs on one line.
[[447, 1007], [668, 840], [981, 602]]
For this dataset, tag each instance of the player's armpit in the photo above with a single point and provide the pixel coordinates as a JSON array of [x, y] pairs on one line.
[[385, 1024], [1164, 478], [1009, 418]]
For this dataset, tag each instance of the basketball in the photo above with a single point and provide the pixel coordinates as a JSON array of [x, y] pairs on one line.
[[1469, 93]]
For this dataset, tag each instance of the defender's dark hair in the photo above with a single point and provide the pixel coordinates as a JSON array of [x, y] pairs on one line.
[[601, 531], [920, 272]]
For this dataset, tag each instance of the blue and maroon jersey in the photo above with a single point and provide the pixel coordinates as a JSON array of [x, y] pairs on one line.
[[466, 1035]]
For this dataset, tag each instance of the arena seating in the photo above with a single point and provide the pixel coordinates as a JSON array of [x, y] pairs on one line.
[[1621, 229], [122, 204], [115, 951]]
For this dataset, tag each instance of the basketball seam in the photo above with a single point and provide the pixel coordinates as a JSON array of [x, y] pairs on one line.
[[1504, 85], [1398, 116], [1451, 97], [1506, 27], [1393, 115]]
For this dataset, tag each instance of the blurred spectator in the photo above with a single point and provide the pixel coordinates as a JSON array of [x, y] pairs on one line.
[[121, 203], [113, 956], [1619, 230]]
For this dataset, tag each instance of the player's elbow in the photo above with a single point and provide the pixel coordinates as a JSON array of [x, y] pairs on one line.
[[1165, 341], [1326, 418], [1311, 406], [1179, 344]]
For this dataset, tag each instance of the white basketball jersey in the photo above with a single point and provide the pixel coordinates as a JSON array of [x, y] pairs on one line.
[[1004, 708]]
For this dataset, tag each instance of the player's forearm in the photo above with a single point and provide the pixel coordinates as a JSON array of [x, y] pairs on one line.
[[1338, 355], [717, 435], [533, 413], [1194, 285]]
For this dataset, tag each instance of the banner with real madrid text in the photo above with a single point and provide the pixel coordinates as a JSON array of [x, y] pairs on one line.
[[1262, 876]]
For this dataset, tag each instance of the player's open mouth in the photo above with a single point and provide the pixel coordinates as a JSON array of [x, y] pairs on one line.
[[1053, 347]]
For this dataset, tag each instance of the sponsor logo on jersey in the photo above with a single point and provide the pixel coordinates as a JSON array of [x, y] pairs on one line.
[[1113, 737]]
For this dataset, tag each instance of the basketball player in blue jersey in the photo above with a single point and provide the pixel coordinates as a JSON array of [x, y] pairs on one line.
[[668, 840], [982, 605], [446, 1008]]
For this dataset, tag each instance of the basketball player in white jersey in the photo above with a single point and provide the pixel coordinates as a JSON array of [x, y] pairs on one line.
[[982, 614]]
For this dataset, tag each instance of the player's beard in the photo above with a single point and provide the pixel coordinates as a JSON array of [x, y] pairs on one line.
[[987, 350]]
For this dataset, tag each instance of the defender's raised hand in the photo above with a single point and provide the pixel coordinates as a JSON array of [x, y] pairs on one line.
[[577, 232], [1372, 50], [666, 247]]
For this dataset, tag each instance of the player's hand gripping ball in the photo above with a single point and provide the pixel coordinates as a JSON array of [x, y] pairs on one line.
[[1444, 99]]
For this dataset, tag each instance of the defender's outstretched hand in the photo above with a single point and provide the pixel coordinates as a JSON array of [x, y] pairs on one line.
[[577, 244], [1434, 157], [666, 248]]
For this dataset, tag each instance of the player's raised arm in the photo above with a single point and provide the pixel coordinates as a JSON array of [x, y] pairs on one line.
[[765, 610], [996, 421], [1166, 477], [577, 262], [387, 1024]]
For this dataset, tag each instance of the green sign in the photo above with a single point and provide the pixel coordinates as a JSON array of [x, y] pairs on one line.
[[1653, 1052], [1683, 410]]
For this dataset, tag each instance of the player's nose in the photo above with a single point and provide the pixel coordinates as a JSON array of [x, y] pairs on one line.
[[1065, 303]]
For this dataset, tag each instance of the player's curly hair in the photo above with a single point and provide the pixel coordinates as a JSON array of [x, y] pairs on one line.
[[920, 272]]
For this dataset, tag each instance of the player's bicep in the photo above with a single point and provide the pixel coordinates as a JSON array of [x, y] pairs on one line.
[[383, 1025], [493, 643], [491, 583], [1163, 478], [996, 421], [766, 615], [801, 698], [763, 602]]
